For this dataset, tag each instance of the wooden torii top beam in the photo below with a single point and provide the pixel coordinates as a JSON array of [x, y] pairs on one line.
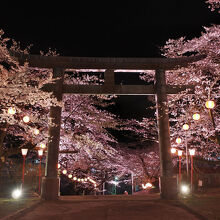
[[105, 63]]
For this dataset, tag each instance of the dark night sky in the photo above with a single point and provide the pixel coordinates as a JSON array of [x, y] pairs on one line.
[[106, 29]]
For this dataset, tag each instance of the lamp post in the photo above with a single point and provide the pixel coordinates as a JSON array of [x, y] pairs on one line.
[[180, 154], [186, 128], [132, 183], [24, 153], [192, 153], [40, 154]]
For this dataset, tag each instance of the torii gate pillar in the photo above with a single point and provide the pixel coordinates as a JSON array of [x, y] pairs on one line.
[[51, 181], [168, 184]]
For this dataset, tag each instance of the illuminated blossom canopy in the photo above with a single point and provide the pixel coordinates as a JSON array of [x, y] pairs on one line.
[[204, 75], [214, 4]]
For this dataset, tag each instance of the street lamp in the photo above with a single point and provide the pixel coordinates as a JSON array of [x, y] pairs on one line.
[[192, 153], [186, 128], [40, 154], [180, 154], [24, 153]]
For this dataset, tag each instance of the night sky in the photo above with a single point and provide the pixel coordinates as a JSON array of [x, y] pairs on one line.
[[105, 29]]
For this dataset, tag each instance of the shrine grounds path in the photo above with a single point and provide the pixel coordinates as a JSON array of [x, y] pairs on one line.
[[124, 207]]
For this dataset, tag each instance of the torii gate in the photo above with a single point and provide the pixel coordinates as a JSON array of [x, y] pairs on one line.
[[50, 184]]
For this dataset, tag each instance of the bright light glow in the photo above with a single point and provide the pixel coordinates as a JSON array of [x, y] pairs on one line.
[[185, 189], [64, 171], [186, 127], [92, 181], [70, 176], [78, 179], [147, 185], [210, 104], [40, 152], [24, 151], [16, 194], [42, 145], [85, 179], [36, 131], [11, 111], [192, 152], [173, 150], [180, 153], [196, 116], [178, 140], [26, 119], [58, 166], [114, 182], [74, 178]]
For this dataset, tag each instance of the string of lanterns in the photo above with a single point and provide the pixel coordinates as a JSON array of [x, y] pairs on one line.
[[81, 180]]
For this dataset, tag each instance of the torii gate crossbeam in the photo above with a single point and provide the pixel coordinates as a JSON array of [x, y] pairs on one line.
[[50, 184]]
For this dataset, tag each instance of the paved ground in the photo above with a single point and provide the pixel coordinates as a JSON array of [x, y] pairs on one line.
[[107, 208]]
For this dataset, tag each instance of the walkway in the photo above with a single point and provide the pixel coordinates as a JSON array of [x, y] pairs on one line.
[[107, 208]]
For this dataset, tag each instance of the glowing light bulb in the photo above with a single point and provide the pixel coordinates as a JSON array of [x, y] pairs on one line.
[[210, 104], [180, 153], [185, 189], [40, 152], [173, 150], [11, 111], [64, 172], [26, 119], [192, 152], [36, 131], [70, 176], [147, 185], [186, 127], [42, 145], [24, 151], [178, 140], [16, 194], [196, 116]]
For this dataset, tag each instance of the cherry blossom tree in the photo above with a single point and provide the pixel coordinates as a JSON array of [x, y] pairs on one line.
[[214, 4], [20, 89], [84, 122], [203, 134]]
